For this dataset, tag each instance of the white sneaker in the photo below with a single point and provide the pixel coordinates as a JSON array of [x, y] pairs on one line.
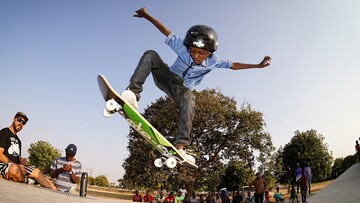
[[186, 156], [130, 97], [72, 190]]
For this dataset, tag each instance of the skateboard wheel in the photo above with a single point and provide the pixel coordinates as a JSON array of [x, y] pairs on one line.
[[158, 163], [111, 105], [171, 162], [106, 113]]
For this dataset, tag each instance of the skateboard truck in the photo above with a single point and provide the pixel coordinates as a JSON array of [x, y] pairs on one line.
[[111, 107]]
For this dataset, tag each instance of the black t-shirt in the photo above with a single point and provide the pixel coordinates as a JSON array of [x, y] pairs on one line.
[[11, 145]]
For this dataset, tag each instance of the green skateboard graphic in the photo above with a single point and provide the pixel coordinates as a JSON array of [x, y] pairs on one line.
[[115, 103]]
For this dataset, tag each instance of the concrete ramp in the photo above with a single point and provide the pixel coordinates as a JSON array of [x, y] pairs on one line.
[[345, 189]]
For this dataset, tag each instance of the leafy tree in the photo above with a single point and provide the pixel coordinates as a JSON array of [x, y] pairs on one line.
[[337, 168], [279, 170], [348, 162], [121, 183], [236, 174], [307, 149], [220, 134], [91, 180], [342, 164], [42, 154], [269, 168], [270, 180], [101, 181]]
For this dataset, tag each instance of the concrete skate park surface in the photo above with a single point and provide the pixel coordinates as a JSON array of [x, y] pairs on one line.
[[344, 189], [20, 193]]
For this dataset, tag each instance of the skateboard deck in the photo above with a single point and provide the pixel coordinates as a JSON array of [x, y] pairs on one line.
[[115, 103]]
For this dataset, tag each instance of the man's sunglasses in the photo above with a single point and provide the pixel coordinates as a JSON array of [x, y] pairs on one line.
[[21, 121]]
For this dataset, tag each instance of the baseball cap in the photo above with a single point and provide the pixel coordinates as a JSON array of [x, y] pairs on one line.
[[22, 115], [71, 149]]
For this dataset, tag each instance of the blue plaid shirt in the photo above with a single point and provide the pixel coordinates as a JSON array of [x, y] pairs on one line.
[[185, 67]]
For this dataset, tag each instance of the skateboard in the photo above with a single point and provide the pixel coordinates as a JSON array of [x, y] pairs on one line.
[[115, 103]]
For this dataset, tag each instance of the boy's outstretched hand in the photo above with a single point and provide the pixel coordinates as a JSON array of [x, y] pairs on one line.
[[141, 13], [265, 62]]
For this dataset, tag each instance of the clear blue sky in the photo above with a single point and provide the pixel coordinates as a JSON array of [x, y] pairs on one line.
[[52, 51]]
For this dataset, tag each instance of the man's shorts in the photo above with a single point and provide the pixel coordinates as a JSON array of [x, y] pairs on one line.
[[4, 168], [29, 169]]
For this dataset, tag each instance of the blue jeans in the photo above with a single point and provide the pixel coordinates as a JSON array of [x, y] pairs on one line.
[[309, 184], [172, 85]]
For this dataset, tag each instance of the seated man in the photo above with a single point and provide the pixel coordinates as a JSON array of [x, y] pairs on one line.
[[148, 197], [67, 170], [137, 197], [13, 166], [278, 196]]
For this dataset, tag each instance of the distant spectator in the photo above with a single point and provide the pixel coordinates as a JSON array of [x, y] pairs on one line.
[[298, 173], [201, 199], [161, 197], [278, 196], [137, 197], [357, 149], [249, 198], [183, 192], [67, 170], [224, 196], [163, 190], [293, 194], [193, 198], [238, 198], [210, 198], [267, 196], [148, 197], [170, 198], [186, 198], [309, 176], [217, 198], [179, 198], [303, 185], [260, 186]]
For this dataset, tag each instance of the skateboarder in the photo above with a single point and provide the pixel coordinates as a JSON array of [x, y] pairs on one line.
[[196, 58]]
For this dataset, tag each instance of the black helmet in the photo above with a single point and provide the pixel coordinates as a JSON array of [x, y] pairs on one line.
[[201, 36]]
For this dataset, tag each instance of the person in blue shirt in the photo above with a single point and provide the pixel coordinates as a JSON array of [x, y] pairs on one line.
[[298, 174], [196, 58], [309, 175], [278, 196]]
